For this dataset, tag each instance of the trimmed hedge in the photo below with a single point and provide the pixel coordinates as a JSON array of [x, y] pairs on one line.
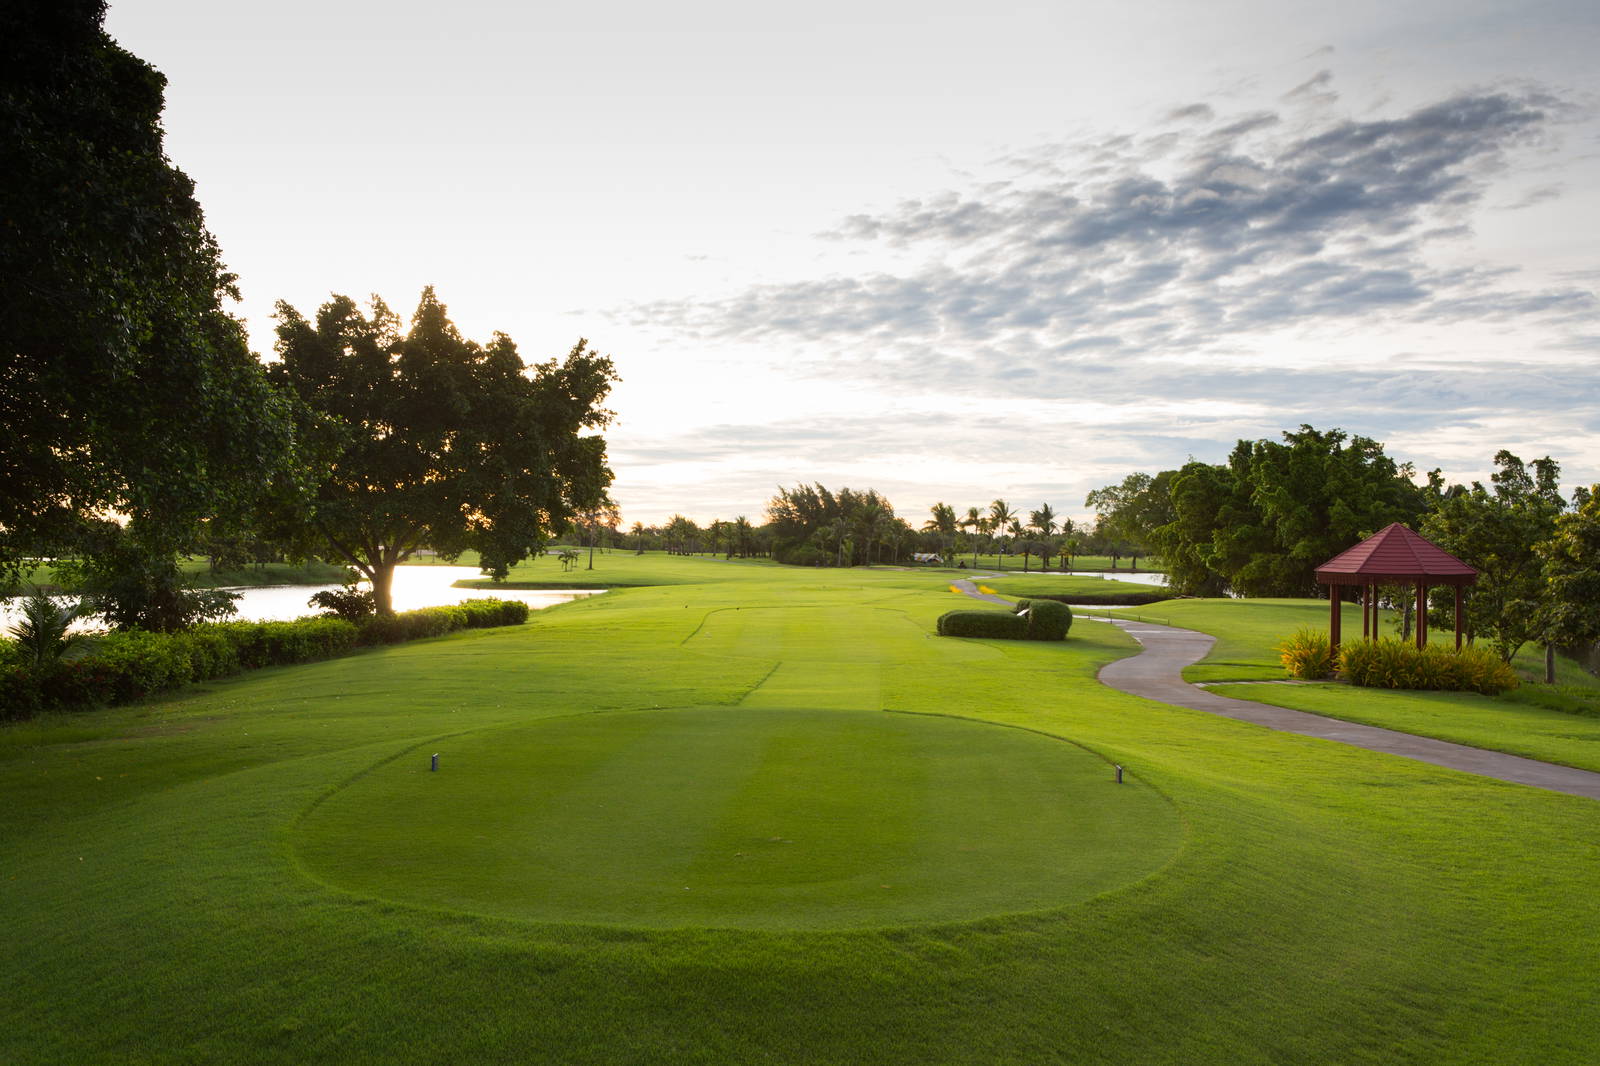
[[126, 665], [994, 625], [1390, 663]]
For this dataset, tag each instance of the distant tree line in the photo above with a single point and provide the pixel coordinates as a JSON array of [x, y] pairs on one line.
[[1260, 523]]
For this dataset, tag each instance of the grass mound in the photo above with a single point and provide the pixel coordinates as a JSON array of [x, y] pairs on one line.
[[735, 818]]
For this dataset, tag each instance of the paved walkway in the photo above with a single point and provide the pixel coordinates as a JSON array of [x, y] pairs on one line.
[[1157, 674]]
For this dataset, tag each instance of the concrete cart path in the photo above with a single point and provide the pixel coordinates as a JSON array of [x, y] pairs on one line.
[[1156, 673]]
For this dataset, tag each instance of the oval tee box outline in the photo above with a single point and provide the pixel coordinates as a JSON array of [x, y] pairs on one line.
[[1180, 848]]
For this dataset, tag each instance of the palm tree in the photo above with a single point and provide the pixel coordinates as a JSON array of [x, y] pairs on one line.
[[742, 531], [944, 523], [638, 537], [1019, 535], [1000, 516], [975, 522], [1043, 522]]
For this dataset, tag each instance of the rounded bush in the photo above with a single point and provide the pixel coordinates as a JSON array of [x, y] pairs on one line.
[[1047, 619]]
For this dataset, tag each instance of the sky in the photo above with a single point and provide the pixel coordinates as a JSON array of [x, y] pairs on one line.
[[948, 251]]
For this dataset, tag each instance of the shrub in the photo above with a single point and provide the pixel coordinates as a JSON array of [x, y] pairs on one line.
[[132, 663], [412, 625], [1308, 654], [1047, 619], [803, 555], [350, 603], [281, 643], [19, 692], [1390, 663], [994, 625], [486, 614]]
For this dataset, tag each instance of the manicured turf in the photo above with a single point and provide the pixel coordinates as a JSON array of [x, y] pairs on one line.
[[1324, 904], [725, 817]]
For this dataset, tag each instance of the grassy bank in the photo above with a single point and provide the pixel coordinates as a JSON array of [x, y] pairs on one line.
[[199, 574], [174, 891]]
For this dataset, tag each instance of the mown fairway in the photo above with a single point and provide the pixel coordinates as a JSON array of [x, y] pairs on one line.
[[249, 873]]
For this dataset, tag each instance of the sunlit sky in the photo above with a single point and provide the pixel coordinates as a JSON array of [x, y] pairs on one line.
[[946, 250]]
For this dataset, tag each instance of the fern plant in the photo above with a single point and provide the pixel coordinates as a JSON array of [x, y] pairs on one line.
[[42, 632]]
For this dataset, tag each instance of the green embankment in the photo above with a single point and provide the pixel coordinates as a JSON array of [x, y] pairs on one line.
[[173, 890]]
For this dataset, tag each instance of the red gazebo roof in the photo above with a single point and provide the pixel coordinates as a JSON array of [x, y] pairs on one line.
[[1395, 552]]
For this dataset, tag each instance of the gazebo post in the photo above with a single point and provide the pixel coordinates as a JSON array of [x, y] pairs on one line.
[[1335, 613], [1458, 618], [1366, 599], [1422, 614]]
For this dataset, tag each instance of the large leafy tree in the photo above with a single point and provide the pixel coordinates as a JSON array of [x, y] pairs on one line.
[[125, 387], [437, 441], [1497, 529], [849, 522], [1129, 513], [1572, 573], [1261, 523]]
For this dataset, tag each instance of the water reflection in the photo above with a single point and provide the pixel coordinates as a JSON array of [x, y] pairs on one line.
[[414, 587]]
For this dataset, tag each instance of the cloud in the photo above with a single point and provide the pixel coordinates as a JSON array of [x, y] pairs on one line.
[[1313, 90], [1243, 229], [1532, 197]]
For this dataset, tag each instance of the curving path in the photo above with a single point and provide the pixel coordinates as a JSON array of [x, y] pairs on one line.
[[1156, 673]]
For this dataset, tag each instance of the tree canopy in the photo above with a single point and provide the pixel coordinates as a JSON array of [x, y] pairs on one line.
[[436, 441], [125, 387], [1262, 522]]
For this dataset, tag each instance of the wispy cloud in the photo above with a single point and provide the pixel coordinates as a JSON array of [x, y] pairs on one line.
[[1170, 242]]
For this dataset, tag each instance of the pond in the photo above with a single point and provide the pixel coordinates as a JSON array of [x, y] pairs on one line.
[[414, 587]]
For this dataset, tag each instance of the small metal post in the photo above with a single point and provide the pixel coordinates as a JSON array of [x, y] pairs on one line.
[[1119, 775], [435, 765]]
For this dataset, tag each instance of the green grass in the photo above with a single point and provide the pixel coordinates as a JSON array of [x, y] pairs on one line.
[[165, 898], [720, 817], [1075, 589]]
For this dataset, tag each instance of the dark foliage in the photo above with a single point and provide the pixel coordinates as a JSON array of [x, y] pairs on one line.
[[124, 384]]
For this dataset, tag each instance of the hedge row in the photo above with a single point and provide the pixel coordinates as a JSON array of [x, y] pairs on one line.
[[1029, 620], [127, 665]]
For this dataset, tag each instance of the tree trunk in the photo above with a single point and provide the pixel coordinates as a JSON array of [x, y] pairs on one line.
[[1549, 664], [383, 587]]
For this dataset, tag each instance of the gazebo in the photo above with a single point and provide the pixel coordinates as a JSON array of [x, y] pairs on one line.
[[1392, 556]]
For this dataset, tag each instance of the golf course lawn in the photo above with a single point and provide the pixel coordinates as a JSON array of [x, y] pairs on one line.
[[265, 870]]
